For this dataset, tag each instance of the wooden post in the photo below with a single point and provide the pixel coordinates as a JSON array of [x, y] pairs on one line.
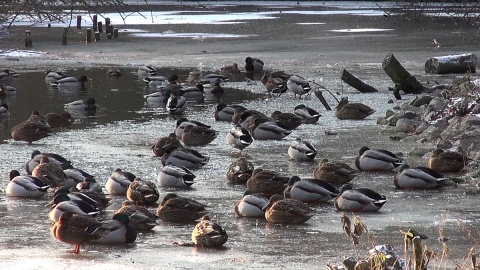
[[89, 35], [110, 31], [398, 74], [49, 25], [99, 27], [461, 63], [28, 39], [79, 22], [97, 36], [115, 32], [107, 24], [94, 23], [356, 83], [64, 36], [319, 95]]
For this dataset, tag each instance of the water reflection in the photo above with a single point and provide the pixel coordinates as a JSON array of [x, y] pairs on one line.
[[118, 99]]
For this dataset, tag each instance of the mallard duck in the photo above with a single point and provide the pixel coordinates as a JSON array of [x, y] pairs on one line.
[[155, 81], [298, 85], [266, 129], [59, 120], [238, 138], [142, 192], [359, 200], [7, 75], [95, 200], [182, 122], [309, 190], [75, 176], [50, 173], [77, 229], [274, 75], [158, 98], [70, 82], [114, 72], [417, 178], [120, 231], [240, 171], [287, 211], [233, 68], [174, 208], [209, 234], [212, 78], [251, 204], [247, 118], [3, 91], [376, 160], [447, 161], [301, 150], [197, 135], [36, 158], [119, 181], [146, 70], [194, 93], [289, 120], [224, 112], [25, 186], [30, 131], [62, 204], [275, 85], [267, 181], [185, 157], [90, 184], [237, 114], [7, 90], [335, 173], [140, 217], [4, 113], [194, 77], [216, 90], [36, 117], [354, 111], [54, 76], [253, 64], [172, 139], [87, 104], [175, 176], [176, 103], [309, 115]]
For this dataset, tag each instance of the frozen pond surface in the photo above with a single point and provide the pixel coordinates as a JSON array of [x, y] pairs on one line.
[[119, 135]]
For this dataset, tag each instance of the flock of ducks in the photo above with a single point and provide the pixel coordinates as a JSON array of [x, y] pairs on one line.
[[269, 195]]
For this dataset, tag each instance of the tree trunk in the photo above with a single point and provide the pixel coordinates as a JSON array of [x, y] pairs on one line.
[[461, 63], [400, 75], [356, 83]]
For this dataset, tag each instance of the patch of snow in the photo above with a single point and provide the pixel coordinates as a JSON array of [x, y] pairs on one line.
[[21, 53]]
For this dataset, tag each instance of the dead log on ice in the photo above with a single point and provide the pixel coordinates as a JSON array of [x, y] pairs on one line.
[[399, 75], [461, 63], [356, 83]]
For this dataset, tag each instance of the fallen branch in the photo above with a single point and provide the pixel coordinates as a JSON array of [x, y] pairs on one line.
[[356, 83]]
